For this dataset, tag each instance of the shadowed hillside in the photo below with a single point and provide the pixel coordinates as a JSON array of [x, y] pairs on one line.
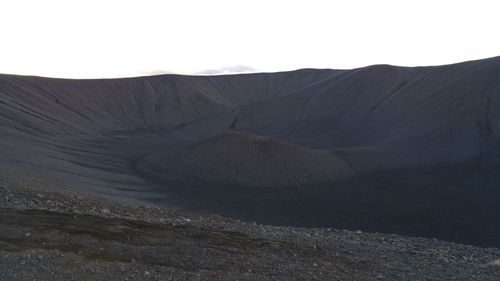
[[247, 160], [381, 148]]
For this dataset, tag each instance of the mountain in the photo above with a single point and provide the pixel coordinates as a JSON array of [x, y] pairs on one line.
[[247, 160], [380, 148]]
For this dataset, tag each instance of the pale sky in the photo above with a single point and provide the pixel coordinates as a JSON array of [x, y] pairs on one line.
[[92, 39]]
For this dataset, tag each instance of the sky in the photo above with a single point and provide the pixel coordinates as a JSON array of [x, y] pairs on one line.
[[106, 38]]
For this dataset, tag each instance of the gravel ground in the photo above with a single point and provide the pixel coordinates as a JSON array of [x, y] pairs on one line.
[[53, 236]]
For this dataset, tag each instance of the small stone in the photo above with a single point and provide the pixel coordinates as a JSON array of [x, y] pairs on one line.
[[358, 231], [105, 211], [315, 264], [380, 276], [147, 273], [495, 263], [27, 234]]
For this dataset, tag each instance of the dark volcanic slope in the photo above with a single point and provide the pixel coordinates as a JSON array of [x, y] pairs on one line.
[[381, 148], [246, 160]]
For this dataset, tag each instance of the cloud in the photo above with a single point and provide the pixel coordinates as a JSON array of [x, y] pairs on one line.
[[213, 71], [228, 69], [155, 72]]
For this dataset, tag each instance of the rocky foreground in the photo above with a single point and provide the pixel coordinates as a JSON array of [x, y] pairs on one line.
[[51, 236]]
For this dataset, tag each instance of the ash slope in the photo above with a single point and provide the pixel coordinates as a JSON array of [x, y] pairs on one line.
[[246, 160], [417, 149]]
